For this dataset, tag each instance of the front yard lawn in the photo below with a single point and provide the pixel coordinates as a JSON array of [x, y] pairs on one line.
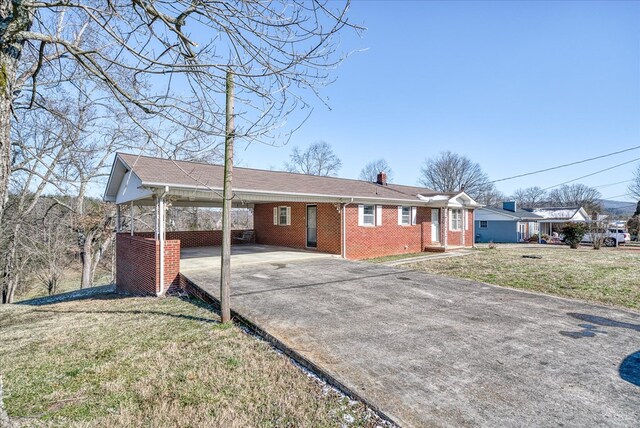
[[157, 362], [609, 276]]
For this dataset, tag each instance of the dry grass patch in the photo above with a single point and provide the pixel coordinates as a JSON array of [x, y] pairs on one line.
[[111, 361], [607, 276]]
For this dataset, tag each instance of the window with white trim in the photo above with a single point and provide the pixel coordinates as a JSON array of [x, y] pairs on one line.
[[456, 219], [484, 224], [282, 216], [405, 216], [369, 215]]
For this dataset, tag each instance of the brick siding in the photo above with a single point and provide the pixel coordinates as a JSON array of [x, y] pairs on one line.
[[390, 238], [195, 238], [138, 264], [295, 234]]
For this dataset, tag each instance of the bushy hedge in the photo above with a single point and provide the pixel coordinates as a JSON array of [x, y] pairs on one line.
[[573, 233]]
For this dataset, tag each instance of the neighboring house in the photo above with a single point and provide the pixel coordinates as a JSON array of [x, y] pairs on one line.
[[352, 218], [554, 217], [506, 225]]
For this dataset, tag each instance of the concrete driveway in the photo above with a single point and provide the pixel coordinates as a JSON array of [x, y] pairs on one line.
[[436, 351]]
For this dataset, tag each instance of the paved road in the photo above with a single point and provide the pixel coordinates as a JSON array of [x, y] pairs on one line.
[[437, 351]]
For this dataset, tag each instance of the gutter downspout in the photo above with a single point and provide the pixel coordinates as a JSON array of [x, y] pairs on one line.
[[344, 228], [161, 235]]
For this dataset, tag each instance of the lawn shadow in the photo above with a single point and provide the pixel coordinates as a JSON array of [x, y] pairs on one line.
[[630, 369], [132, 312]]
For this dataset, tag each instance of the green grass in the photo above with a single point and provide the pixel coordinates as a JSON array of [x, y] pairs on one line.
[[395, 257], [609, 276], [155, 362]]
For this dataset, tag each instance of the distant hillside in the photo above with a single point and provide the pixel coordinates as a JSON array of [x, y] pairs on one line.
[[618, 208]]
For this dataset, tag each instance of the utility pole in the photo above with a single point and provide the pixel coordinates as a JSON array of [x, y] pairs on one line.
[[227, 195]]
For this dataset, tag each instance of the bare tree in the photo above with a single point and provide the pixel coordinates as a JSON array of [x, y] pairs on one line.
[[451, 172], [576, 195], [491, 197], [634, 186], [53, 249], [165, 61], [371, 170], [318, 159], [530, 197]]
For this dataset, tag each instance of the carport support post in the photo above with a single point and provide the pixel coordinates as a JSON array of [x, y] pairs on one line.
[[227, 195]]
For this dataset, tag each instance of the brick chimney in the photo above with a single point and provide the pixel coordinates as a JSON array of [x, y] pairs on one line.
[[382, 178]]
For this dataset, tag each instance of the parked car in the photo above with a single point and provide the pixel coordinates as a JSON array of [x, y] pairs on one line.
[[610, 237]]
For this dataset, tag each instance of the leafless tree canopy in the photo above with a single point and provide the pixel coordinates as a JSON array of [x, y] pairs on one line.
[[318, 159], [576, 195], [634, 186], [371, 170], [165, 61], [450, 172], [530, 197]]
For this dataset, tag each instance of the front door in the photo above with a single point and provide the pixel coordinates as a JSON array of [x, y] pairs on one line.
[[312, 226], [435, 225]]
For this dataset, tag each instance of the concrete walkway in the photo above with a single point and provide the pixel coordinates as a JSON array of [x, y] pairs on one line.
[[436, 351]]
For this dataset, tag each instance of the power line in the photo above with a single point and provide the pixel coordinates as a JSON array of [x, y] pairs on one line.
[[612, 184], [566, 165], [593, 173]]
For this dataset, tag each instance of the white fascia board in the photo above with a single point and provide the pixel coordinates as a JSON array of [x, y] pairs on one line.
[[118, 170], [205, 193], [131, 189]]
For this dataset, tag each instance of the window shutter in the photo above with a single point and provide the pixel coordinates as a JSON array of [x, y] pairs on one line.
[[414, 211], [288, 216], [275, 216], [399, 216], [360, 215], [378, 215]]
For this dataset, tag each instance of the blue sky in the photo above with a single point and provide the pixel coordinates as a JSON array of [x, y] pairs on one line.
[[515, 86]]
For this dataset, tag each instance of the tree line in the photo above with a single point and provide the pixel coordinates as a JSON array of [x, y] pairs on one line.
[[452, 172]]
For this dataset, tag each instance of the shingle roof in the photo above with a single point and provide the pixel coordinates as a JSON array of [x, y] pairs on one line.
[[158, 171], [519, 213]]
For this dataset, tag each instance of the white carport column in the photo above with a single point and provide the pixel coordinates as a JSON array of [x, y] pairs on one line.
[[160, 235], [445, 226]]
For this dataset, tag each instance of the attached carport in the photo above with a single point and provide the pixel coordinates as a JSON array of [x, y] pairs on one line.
[[150, 262]]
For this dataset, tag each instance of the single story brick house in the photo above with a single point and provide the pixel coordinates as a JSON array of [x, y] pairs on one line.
[[508, 224], [351, 218]]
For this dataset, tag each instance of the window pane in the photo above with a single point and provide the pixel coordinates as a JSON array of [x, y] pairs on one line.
[[368, 217], [283, 215]]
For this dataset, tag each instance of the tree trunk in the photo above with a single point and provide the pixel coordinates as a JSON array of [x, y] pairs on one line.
[[97, 256], [10, 267], [86, 257], [14, 17]]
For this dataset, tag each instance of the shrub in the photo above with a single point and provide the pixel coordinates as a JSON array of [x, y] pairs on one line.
[[573, 233], [533, 238]]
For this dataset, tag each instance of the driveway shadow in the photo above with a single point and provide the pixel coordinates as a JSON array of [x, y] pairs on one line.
[[630, 369]]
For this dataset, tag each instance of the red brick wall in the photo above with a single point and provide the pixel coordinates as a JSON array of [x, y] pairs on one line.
[[390, 238], [454, 237], [138, 264], [171, 264], [295, 235], [195, 238]]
